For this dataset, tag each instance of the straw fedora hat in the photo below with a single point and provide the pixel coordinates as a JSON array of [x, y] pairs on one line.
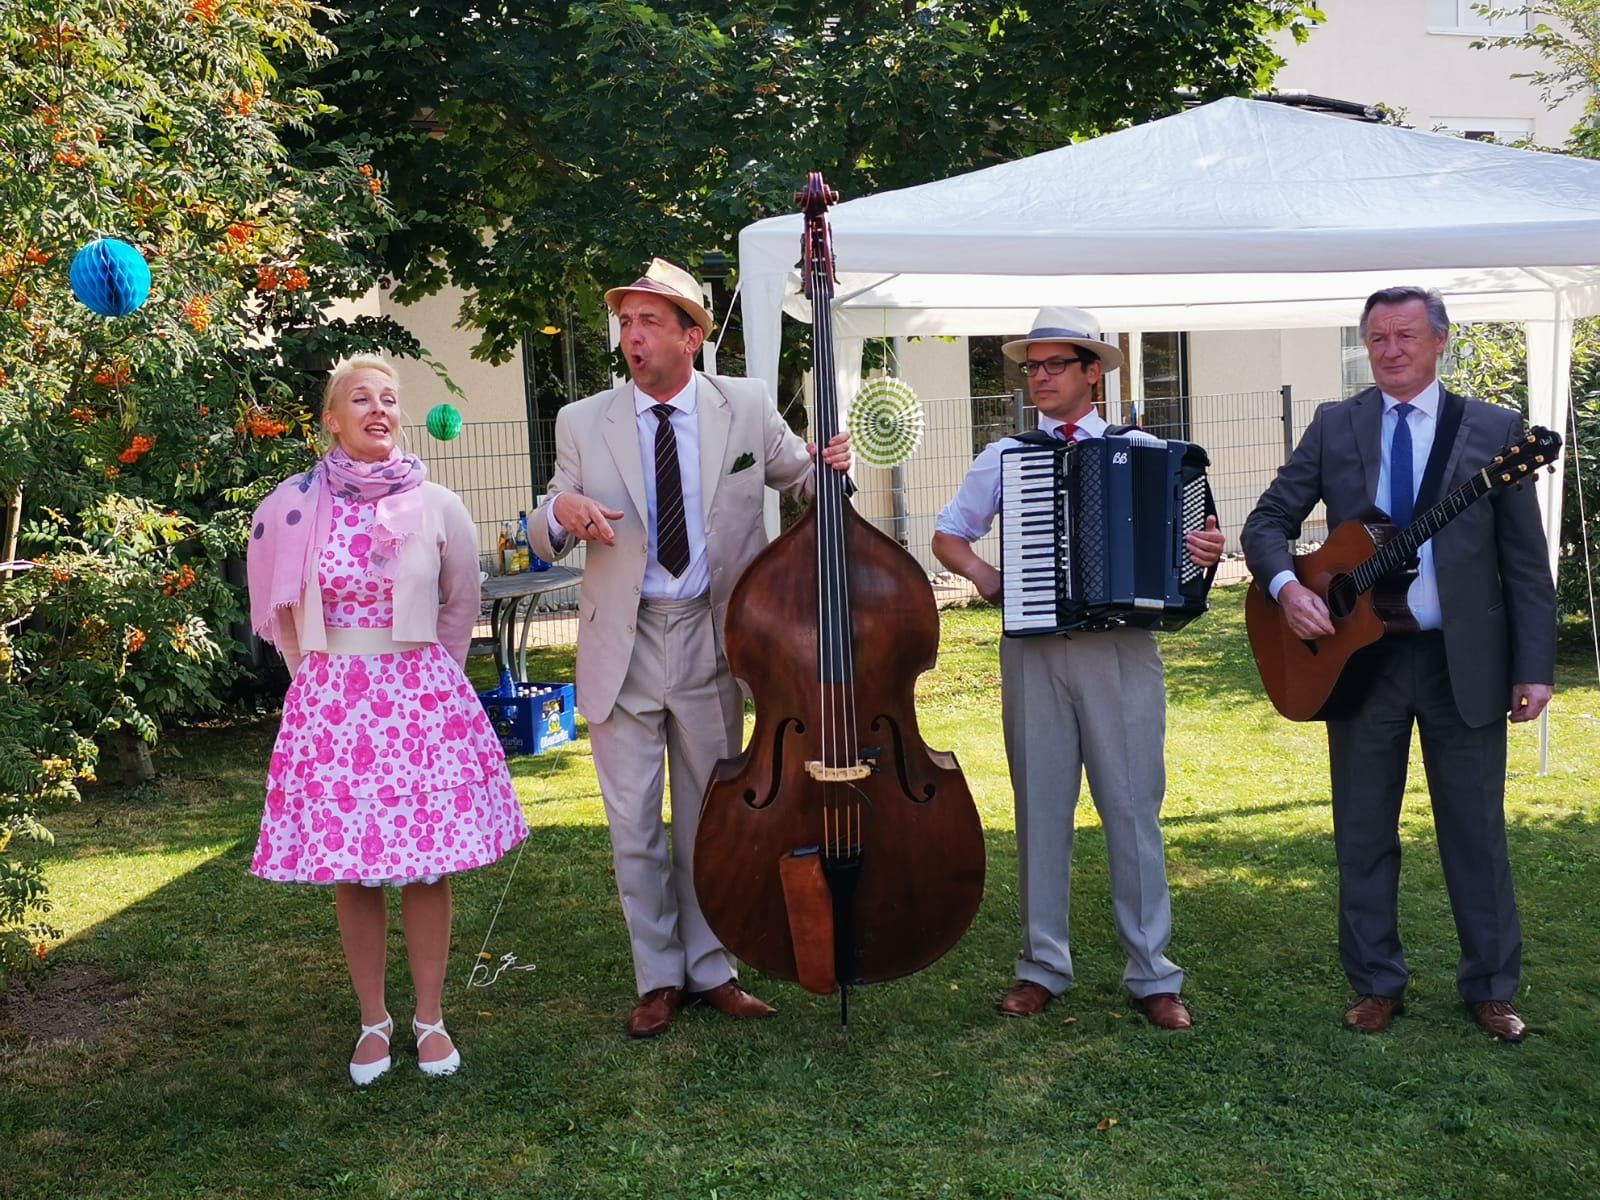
[[671, 283], [1066, 325]]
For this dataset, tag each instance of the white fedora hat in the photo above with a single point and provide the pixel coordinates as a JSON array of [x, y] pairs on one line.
[[1066, 325], [670, 282]]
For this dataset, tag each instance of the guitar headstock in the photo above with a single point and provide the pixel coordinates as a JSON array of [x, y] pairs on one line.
[[1523, 458]]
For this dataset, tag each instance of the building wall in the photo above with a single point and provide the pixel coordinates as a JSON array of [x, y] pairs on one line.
[[490, 393], [937, 370], [1399, 53], [487, 467]]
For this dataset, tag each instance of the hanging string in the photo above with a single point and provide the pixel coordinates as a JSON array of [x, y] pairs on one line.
[[481, 975]]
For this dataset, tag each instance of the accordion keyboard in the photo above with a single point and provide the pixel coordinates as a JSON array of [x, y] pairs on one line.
[[1034, 561]]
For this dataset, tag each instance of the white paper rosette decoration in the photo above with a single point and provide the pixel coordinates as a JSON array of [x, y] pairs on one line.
[[885, 422]]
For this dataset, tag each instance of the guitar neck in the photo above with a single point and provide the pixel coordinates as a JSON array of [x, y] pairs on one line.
[[1403, 546]]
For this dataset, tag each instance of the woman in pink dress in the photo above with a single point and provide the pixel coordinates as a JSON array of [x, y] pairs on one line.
[[386, 770]]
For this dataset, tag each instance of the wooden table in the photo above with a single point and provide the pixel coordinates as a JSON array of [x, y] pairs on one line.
[[514, 598]]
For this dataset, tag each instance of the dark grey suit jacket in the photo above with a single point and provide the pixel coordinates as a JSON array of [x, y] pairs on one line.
[[1495, 593]]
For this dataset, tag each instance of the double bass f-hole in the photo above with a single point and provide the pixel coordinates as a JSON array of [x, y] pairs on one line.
[[836, 848]]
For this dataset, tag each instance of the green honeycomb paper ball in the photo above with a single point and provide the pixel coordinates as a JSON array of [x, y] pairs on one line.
[[444, 421]]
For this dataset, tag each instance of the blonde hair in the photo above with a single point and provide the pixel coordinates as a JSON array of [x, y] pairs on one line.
[[359, 362], [336, 377]]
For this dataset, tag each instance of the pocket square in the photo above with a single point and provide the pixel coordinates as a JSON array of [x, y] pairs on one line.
[[744, 460]]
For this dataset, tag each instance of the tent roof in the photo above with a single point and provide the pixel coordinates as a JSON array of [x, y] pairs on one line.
[[1236, 214]]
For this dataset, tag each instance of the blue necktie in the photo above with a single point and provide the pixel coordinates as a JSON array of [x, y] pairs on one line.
[[1401, 492]]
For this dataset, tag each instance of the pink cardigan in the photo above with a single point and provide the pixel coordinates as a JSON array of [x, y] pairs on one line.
[[437, 587]]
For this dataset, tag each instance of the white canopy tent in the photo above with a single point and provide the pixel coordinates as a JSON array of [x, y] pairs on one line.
[[1238, 214]]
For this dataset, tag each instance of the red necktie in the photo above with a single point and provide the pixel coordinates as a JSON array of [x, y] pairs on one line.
[[1067, 432]]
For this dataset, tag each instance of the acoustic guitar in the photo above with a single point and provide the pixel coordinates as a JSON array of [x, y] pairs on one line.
[[1362, 573]]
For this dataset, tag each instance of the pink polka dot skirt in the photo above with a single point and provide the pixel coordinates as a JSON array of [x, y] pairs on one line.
[[386, 769]]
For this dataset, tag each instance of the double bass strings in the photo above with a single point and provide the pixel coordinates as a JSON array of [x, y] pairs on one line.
[[836, 650]]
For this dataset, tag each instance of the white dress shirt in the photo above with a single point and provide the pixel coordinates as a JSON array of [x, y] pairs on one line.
[[973, 509], [659, 583], [1422, 598]]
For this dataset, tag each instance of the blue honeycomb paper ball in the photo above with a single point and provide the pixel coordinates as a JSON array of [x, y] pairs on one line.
[[110, 277], [444, 422]]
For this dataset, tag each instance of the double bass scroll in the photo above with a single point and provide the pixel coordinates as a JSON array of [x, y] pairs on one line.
[[837, 849]]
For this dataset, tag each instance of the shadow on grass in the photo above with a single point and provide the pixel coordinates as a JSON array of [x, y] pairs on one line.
[[226, 1076]]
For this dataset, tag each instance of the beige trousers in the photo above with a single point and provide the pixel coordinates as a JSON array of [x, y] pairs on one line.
[[678, 712]]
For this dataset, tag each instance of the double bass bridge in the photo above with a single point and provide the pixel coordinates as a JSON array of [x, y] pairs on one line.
[[823, 773]]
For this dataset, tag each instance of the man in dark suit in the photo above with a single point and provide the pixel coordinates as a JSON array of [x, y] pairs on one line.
[[1485, 607]]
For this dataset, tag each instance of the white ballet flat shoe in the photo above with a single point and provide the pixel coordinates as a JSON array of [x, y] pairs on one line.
[[443, 1066], [362, 1074]]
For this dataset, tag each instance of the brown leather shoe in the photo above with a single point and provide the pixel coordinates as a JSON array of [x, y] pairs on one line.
[[1025, 999], [732, 1000], [1164, 1010], [1372, 1014], [1499, 1020], [653, 1015]]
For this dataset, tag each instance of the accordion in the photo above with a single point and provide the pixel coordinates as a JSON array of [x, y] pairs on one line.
[[1092, 534]]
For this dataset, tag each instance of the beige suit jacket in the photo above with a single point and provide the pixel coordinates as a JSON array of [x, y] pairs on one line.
[[745, 446]]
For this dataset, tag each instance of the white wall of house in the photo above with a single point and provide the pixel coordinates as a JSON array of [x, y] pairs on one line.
[[491, 393], [1417, 56]]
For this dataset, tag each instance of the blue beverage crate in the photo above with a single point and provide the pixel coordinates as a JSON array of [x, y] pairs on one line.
[[530, 718]]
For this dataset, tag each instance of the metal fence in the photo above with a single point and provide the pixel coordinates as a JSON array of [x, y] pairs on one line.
[[1246, 434]]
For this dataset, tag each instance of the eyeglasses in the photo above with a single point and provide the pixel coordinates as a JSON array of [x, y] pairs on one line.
[[1051, 366]]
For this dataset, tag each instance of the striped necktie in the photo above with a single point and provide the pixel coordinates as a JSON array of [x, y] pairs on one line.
[[672, 534]]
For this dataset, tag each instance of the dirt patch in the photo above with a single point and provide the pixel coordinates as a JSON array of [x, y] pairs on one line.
[[68, 1003]]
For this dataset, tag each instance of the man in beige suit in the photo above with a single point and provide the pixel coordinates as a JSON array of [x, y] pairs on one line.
[[652, 681]]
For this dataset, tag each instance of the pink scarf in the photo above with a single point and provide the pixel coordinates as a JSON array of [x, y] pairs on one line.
[[292, 524]]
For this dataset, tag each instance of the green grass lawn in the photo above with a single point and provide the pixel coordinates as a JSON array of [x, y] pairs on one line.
[[222, 1072]]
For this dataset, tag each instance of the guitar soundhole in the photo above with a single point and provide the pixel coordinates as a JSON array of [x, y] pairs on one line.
[[1341, 597]]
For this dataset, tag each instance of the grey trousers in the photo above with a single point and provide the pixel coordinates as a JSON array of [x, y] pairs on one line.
[[1092, 703], [678, 712]]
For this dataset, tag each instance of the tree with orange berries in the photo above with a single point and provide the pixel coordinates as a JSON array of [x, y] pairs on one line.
[[132, 448]]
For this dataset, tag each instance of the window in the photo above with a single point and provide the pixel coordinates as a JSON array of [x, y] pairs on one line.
[[1463, 16], [995, 379], [1506, 130], [1166, 384], [1356, 368]]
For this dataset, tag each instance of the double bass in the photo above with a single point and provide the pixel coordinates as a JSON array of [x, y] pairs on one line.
[[837, 849]]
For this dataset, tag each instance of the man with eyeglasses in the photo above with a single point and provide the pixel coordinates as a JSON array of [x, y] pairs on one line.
[[1089, 702]]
